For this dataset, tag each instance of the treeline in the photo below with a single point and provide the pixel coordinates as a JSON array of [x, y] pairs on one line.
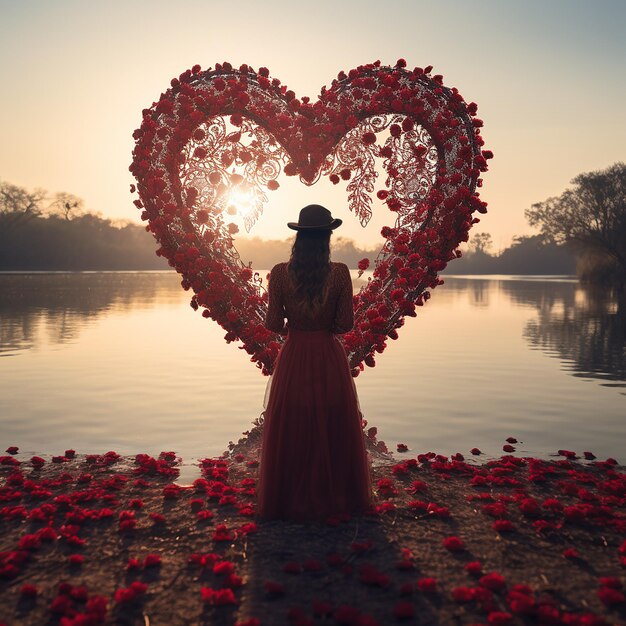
[[40, 232], [90, 242], [43, 232], [86, 242], [583, 232], [527, 255], [265, 253]]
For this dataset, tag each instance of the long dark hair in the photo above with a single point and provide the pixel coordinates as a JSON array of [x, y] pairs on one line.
[[309, 267]]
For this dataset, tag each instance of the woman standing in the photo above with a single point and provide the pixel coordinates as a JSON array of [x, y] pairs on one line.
[[313, 459]]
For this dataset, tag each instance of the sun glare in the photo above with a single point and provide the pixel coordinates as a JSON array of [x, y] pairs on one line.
[[241, 201]]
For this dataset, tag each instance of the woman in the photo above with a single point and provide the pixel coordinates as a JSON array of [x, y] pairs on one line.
[[313, 460]]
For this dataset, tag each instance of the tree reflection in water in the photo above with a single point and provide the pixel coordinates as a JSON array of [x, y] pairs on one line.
[[584, 326], [53, 308]]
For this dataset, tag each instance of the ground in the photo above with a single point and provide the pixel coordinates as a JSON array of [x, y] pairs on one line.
[[106, 539]]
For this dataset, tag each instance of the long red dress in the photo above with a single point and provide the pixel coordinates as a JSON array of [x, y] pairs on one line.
[[313, 458]]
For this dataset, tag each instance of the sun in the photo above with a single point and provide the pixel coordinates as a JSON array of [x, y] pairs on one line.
[[241, 201]]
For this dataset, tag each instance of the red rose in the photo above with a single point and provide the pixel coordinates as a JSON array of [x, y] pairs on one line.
[[499, 618], [610, 596], [428, 585], [408, 125], [454, 544], [28, 590], [152, 560], [290, 169], [462, 594], [223, 567], [474, 567], [503, 525], [493, 581], [133, 564]]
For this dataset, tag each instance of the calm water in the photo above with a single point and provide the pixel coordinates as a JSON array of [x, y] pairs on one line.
[[119, 361]]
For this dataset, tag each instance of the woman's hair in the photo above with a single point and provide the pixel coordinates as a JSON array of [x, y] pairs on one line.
[[309, 267]]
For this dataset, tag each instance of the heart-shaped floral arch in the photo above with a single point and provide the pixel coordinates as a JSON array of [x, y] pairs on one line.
[[224, 130]]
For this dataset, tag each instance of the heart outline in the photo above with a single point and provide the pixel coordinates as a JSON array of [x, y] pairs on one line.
[[415, 250]]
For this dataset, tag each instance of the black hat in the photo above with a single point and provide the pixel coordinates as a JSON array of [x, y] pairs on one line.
[[315, 217]]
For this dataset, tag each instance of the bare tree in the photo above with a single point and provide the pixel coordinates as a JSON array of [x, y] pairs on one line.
[[481, 242], [591, 216], [67, 205], [17, 205]]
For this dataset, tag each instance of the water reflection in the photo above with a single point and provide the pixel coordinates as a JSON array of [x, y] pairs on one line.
[[52, 308], [479, 293], [585, 326], [119, 361]]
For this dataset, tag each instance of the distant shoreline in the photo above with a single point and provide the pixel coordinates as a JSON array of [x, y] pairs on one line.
[[552, 277]]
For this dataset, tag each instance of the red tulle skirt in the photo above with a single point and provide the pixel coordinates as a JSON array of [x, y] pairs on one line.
[[313, 458]]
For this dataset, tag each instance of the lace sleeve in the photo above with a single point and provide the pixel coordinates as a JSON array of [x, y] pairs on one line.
[[344, 315], [275, 317]]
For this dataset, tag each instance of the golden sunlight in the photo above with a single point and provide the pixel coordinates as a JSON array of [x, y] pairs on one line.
[[241, 201]]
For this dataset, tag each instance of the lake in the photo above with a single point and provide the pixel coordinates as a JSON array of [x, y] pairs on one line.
[[120, 361]]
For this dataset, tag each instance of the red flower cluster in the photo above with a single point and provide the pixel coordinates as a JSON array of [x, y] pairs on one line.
[[454, 544], [163, 466], [218, 597], [187, 163], [573, 495], [132, 593]]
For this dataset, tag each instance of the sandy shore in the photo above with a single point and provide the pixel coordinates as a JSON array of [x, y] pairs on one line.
[[105, 539]]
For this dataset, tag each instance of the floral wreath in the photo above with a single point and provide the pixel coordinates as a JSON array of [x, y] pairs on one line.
[[226, 131]]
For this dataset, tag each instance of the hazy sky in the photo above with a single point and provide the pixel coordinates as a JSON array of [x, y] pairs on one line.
[[548, 77]]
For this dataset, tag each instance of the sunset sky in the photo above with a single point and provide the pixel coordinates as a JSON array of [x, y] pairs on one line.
[[548, 77]]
